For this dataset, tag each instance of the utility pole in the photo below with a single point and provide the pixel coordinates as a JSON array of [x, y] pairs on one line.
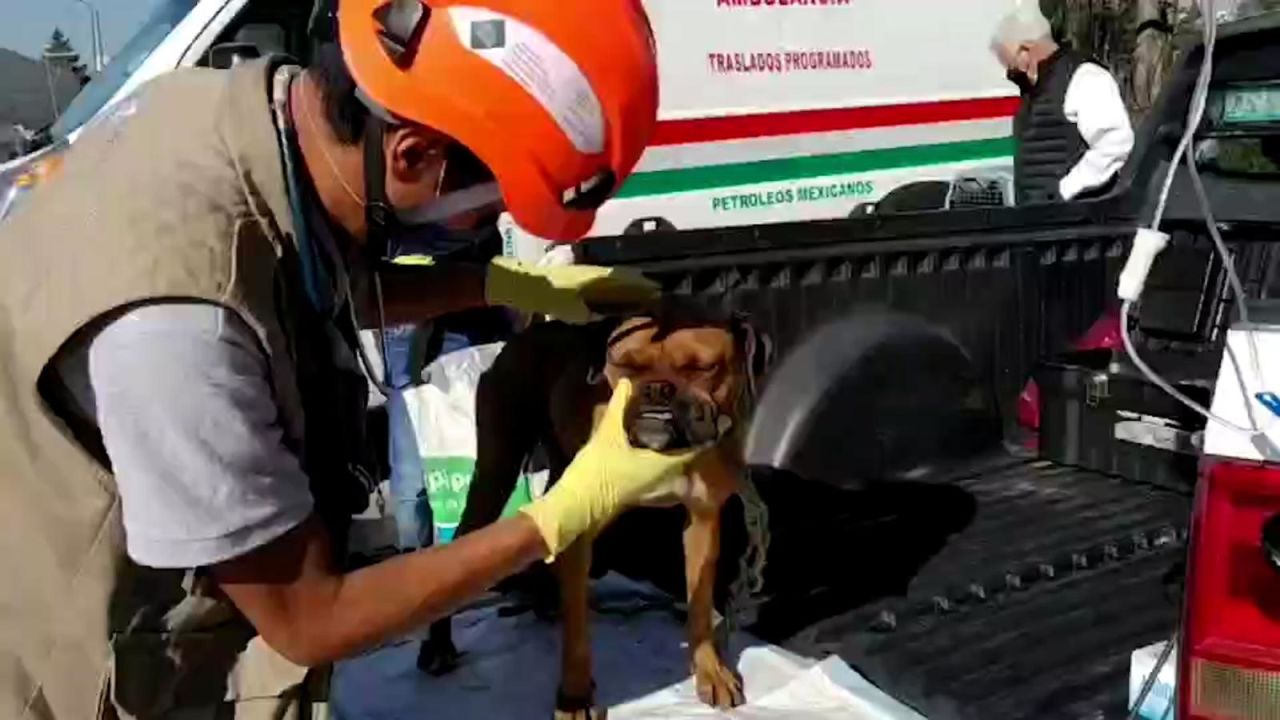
[[50, 73], [95, 32]]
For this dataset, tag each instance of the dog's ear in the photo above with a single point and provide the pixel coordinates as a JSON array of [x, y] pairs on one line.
[[757, 349]]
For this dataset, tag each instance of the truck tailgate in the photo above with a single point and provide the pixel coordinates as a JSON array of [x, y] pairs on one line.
[[1031, 608]]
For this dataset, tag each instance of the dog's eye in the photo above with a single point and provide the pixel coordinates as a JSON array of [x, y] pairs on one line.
[[624, 364]]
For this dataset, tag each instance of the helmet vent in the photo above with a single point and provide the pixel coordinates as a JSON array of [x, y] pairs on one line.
[[401, 23], [591, 193]]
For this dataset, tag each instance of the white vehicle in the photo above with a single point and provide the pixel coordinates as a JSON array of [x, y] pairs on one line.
[[772, 110], [776, 111], [180, 33]]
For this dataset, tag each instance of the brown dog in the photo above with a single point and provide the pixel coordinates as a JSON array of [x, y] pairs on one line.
[[693, 376]]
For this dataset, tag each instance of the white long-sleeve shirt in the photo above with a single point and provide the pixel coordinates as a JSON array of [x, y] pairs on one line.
[[1094, 104]]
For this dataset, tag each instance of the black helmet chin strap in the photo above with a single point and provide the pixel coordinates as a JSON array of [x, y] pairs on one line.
[[378, 215], [401, 24]]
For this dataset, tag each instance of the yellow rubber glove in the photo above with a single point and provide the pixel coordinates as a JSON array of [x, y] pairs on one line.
[[605, 477], [569, 293]]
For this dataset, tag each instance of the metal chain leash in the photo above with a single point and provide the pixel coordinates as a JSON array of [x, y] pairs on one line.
[[740, 608]]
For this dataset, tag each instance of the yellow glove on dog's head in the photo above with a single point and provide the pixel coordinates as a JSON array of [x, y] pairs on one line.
[[606, 477], [570, 293]]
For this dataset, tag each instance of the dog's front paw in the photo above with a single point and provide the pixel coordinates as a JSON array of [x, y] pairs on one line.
[[717, 685], [438, 657], [579, 706]]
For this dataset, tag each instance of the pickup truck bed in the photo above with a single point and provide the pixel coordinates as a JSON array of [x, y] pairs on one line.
[[1032, 608], [1010, 588], [1015, 588]]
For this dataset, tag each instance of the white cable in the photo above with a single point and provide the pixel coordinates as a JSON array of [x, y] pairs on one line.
[[1150, 242], [1125, 309], [1237, 289], [1233, 277], [1146, 246], [379, 383], [1199, 98], [1186, 148]]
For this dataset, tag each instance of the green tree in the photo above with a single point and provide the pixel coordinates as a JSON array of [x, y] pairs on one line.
[[1134, 38]]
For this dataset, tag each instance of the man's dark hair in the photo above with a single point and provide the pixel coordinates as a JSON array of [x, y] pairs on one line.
[[344, 112]]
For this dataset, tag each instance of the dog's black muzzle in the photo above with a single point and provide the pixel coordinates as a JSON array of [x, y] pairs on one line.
[[662, 418]]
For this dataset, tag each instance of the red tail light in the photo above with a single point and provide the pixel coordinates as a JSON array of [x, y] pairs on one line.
[[1230, 650]]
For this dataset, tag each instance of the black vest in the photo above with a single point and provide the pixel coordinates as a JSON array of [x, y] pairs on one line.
[[1049, 144]]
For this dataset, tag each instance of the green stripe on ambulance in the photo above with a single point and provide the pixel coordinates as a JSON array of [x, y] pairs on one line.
[[662, 182]]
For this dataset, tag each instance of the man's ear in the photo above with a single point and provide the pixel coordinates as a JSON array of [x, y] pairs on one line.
[[414, 154], [1024, 50]]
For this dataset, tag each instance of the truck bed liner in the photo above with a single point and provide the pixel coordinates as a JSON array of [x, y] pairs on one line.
[[1032, 608]]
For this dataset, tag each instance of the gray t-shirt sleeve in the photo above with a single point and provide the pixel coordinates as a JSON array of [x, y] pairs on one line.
[[182, 396]]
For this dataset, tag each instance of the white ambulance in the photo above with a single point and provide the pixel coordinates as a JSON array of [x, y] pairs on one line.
[[772, 110], [781, 110]]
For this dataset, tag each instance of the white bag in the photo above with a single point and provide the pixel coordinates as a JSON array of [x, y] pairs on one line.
[[443, 413]]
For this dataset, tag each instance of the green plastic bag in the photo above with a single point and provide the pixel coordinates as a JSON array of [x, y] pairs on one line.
[[448, 479], [442, 411]]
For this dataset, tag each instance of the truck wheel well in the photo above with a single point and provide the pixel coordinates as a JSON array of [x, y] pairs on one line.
[[874, 395]]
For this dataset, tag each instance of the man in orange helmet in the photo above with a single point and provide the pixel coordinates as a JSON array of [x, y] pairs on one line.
[[181, 441]]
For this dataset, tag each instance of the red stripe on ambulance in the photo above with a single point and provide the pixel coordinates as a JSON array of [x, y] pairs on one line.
[[742, 127]]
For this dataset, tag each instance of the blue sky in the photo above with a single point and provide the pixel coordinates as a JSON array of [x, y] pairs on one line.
[[27, 24]]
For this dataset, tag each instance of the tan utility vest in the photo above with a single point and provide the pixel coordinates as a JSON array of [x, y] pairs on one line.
[[181, 193]]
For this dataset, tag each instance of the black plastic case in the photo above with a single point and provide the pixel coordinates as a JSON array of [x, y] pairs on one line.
[[1099, 413]]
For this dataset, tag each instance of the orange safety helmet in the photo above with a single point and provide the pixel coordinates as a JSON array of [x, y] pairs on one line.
[[558, 98]]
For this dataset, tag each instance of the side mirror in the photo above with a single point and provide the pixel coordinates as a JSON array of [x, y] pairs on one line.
[[229, 54]]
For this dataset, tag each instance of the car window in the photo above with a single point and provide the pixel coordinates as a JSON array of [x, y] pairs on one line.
[[163, 19]]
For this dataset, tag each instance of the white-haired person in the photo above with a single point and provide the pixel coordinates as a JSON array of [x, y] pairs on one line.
[[1072, 130]]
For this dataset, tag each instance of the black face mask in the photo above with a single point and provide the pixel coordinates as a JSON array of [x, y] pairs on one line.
[[444, 244], [1021, 79]]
